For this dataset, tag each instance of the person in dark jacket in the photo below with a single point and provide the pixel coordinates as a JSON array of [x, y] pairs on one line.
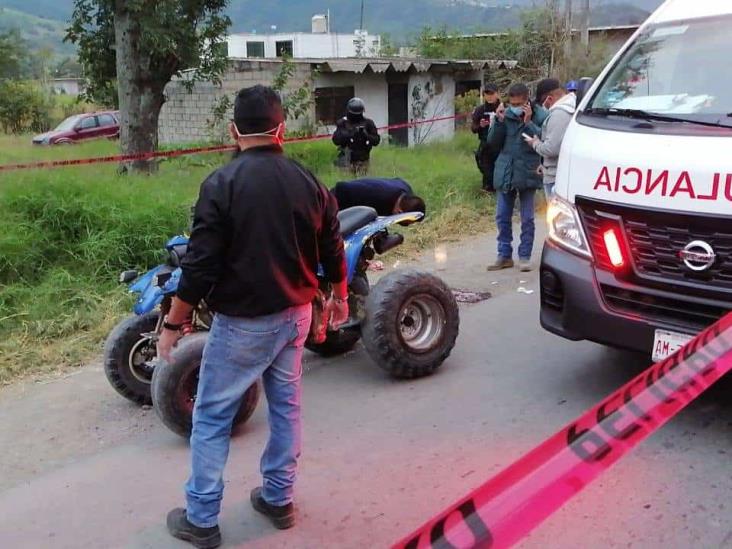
[[262, 225], [355, 136], [386, 196], [485, 155], [516, 174]]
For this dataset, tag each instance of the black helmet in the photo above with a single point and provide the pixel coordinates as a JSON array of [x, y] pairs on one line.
[[355, 106]]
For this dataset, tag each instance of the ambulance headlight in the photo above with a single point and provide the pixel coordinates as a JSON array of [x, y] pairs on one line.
[[565, 228]]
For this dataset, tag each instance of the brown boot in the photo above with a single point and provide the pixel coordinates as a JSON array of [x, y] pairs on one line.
[[501, 263], [282, 517]]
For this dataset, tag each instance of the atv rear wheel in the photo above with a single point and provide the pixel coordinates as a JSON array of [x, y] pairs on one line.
[[174, 387], [128, 357], [412, 323]]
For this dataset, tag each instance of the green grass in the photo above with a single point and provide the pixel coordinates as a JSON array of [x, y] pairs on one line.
[[68, 232]]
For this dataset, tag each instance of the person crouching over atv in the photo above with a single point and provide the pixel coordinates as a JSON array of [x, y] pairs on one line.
[[355, 136], [386, 196]]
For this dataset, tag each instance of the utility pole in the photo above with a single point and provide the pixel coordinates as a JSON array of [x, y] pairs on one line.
[[361, 26], [585, 25]]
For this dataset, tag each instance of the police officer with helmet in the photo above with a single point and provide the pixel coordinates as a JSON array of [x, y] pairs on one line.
[[355, 136]]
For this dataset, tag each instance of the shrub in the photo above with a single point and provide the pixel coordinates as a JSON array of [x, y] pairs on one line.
[[24, 107]]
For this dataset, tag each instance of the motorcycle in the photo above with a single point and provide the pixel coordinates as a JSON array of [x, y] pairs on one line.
[[408, 322]]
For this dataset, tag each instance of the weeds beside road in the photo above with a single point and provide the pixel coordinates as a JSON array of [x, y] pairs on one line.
[[68, 232]]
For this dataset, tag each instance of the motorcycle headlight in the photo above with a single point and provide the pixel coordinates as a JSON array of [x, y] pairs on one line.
[[565, 228]]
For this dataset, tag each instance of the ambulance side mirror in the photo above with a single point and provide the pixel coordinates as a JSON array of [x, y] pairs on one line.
[[583, 86]]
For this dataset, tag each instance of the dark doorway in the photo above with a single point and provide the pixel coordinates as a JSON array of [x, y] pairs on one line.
[[399, 113], [464, 86]]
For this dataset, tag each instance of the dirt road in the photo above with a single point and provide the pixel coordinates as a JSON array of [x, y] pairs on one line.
[[81, 467]]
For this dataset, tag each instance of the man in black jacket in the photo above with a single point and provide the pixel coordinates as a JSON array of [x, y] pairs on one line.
[[386, 196], [485, 156], [355, 136], [262, 225]]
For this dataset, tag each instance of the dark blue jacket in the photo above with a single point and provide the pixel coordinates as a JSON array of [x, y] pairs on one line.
[[379, 194]]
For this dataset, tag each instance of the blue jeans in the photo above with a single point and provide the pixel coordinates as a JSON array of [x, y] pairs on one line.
[[238, 352], [504, 213]]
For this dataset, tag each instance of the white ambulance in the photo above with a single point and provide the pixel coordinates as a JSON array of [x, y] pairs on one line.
[[639, 253]]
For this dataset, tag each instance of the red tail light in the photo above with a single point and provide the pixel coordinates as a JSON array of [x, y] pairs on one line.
[[614, 250]]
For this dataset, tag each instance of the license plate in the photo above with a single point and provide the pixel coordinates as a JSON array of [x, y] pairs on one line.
[[666, 343]]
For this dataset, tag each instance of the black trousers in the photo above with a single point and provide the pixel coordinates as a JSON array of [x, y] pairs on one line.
[[485, 158]]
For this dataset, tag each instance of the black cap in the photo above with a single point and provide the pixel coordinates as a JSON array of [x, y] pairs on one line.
[[490, 88], [258, 109], [545, 87]]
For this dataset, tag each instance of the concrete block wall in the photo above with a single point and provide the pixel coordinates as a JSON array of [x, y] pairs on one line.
[[186, 116]]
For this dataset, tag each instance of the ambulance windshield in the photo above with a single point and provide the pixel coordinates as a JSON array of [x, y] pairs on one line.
[[676, 69]]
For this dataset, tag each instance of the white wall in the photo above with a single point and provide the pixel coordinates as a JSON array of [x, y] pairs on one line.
[[372, 88], [437, 95], [305, 45]]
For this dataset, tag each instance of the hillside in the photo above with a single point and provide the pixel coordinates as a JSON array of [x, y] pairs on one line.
[[41, 33], [43, 21]]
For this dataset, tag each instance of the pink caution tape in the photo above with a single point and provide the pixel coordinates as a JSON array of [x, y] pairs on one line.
[[511, 504]]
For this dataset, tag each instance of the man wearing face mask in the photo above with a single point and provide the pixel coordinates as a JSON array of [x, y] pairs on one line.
[[262, 226], [486, 155], [355, 136], [516, 175], [561, 106]]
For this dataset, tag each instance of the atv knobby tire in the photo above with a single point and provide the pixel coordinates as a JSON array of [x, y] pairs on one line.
[[412, 323], [336, 343], [129, 380], [174, 387], [342, 341]]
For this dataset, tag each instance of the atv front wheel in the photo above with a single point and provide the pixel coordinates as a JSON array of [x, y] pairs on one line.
[[174, 387], [128, 357], [412, 323]]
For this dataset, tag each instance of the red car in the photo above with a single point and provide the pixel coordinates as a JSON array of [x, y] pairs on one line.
[[81, 127]]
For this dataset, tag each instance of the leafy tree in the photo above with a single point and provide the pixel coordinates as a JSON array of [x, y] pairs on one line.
[[296, 102], [135, 47], [388, 48], [67, 68], [13, 54]]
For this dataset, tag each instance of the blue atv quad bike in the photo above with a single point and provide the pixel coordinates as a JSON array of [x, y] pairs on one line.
[[409, 323]]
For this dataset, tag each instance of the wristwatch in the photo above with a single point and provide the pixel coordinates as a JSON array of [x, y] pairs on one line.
[[169, 326]]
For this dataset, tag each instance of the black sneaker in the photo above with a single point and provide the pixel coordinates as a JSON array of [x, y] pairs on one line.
[[282, 517], [203, 538]]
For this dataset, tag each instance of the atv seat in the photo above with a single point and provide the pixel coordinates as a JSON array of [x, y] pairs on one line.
[[352, 219]]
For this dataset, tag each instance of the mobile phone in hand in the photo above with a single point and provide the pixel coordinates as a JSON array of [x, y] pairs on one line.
[[527, 136]]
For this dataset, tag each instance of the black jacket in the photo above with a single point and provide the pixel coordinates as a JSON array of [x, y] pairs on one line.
[[482, 113], [359, 136], [379, 194], [262, 224]]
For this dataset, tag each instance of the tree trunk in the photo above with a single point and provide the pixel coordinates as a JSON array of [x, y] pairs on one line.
[[585, 25], [140, 92], [568, 29]]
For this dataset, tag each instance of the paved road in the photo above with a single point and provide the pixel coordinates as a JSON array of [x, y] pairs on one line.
[[82, 468]]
